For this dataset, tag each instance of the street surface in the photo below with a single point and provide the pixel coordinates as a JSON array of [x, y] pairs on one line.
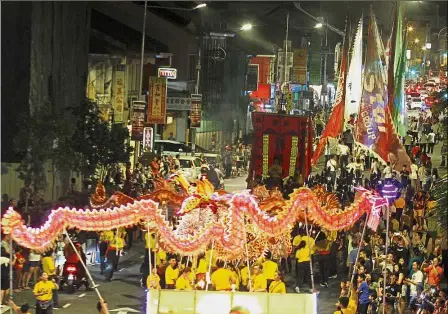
[[124, 294]]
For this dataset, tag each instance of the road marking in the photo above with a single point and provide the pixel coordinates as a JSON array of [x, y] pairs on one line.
[[122, 269], [124, 310], [81, 295], [66, 305], [143, 256], [5, 309]]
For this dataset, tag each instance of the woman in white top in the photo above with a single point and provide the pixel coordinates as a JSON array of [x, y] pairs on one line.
[[32, 268], [60, 258], [413, 175]]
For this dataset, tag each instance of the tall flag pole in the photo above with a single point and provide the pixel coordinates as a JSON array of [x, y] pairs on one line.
[[399, 109], [336, 121], [354, 76], [374, 127]]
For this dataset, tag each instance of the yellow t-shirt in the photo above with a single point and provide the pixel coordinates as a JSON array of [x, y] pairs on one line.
[[303, 255], [202, 267], [155, 279], [117, 243], [45, 287], [236, 277], [259, 283], [160, 255], [48, 266], [207, 258], [244, 276], [171, 275], [277, 287], [400, 203], [269, 269], [183, 284], [296, 240], [151, 242], [107, 236], [311, 242], [222, 279]]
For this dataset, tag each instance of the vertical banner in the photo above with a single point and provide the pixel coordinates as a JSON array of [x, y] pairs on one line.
[[196, 111], [157, 100], [315, 57], [252, 78], [147, 138], [138, 120], [354, 76], [118, 93], [299, 65], [374, 127]]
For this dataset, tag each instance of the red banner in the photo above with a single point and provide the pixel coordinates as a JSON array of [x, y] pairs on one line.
[[374, 127], [336, 122], [280, 133], [157, 100]]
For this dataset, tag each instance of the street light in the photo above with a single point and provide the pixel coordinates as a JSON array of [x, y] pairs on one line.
[[246, 27], [416, 40], [202, 5], [423, 48], [410, 28], [319, 25]]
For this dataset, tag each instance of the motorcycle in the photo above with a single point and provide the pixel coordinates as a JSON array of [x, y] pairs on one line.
[[71, 278]]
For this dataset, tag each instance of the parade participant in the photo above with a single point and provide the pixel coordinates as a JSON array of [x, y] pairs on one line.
[[106, 237], [222, 278], [259, 280], [343, 307], [43, 291], [102, 307], [24, 309], [171, 274], [153, 281], [275, 173], [49, 267], [277, 285], [113, 254], [269, 268], [184, 281]]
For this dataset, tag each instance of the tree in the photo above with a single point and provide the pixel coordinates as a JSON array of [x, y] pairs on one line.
[[37, 138], [95, 145]]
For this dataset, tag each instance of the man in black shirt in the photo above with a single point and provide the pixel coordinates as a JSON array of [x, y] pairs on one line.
[[392, 294]]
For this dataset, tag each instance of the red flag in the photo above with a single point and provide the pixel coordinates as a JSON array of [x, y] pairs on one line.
[[374, 126], [336, 121]]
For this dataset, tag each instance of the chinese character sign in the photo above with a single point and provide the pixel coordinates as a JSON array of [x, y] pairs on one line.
[[147, 139], [196, 110], [138, 119], [157, 100], [299, 65], [118, 95]]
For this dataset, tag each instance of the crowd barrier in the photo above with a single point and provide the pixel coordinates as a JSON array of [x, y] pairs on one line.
[[212, 302]]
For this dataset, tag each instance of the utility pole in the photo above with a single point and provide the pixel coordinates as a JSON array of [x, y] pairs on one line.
[[140, 88]]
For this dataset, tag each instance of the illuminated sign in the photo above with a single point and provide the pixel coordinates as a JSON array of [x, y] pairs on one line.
[[169, 73]]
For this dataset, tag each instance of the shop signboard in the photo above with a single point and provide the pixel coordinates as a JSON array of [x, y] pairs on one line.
[[147, 138], [196, 111], [157, 100], [118, 93], [299, 65], [169, 73], [178, 103], [252, 77], [138, 120]]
